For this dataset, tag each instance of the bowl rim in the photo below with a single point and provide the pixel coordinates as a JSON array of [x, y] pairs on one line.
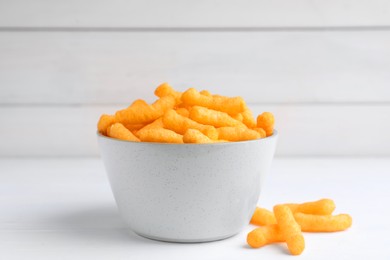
[[273, 136]]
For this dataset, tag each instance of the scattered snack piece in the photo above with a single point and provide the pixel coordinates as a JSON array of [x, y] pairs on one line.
[[118, 131], [229, 105], [289, 220], [289, 229], [215, 118], [319, 207], [104, 122], [180, 124], [196, 137], [160, 135], [237, 133], [263, 217], [266, 121], [325, 223], [264, 235]]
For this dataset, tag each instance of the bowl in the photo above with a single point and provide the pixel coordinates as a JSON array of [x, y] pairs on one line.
[[187, 192]]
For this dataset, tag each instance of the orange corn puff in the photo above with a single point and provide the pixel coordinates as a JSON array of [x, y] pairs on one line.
[[133, 127], [183, 105], [248, 119], [264, 235], [144, 115], [191, 109], [231, 106], [319, 207], [290, 229], [263, 217], [108, 131], [266, 121], [163, 104], [183, 112], [166, 90], [215, 118], [160, 135], [328, 223], [140, 103], [118, 131], [260, 131], [238, 117], [180, 124], [196, 137], [158, 123], [237, 133], [205, 93], [104, 122]]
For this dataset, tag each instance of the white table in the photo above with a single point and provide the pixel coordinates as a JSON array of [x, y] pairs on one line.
[[64, 209]]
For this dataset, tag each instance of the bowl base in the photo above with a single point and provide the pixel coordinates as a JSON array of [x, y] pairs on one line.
[[179, 240]]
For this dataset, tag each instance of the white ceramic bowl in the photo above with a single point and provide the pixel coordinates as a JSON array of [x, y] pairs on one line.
[[187, 192]]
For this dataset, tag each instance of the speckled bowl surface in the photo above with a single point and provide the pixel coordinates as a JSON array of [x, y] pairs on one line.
[[187, 192]]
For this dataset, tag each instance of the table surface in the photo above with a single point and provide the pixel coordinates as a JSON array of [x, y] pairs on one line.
[[64, 209]]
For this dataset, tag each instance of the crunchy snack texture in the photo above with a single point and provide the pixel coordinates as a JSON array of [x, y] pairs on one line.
[[189, 116]]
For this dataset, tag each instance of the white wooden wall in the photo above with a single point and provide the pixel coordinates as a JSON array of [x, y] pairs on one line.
[[322, 67]]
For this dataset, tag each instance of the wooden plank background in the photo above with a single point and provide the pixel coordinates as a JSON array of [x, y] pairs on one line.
[[270, 67], [323, 68], [194, 14]]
